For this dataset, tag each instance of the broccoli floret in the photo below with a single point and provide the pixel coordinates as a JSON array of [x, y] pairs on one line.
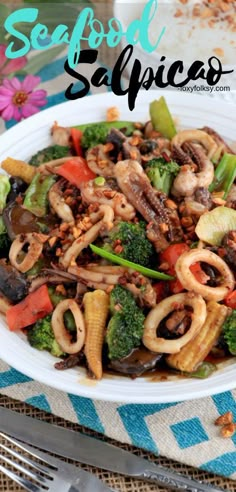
[[121, 298], [94, 135], [229, 332], [125, 328], [48, 154], [133, 241], [5, 242], [162, 173], [41, 337]]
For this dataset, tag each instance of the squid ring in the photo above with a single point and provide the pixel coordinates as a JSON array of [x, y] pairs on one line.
[[196, 135], [161, 310], [189, 282], [35, 249], [61, 334]]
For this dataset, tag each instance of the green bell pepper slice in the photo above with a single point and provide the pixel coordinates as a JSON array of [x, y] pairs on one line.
[[161, 118], [36, 200]]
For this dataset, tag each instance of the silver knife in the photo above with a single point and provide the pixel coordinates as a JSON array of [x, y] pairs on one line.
[[91, 451]]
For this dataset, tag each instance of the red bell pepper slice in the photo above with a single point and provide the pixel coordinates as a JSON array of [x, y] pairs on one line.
[[76, 171], [162, 290], [76, 136], [35, 306], [230, 299], [170, 256]]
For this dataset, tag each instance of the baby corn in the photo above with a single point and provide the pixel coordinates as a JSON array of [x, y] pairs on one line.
[[19, 169], [194, 352], [96, 307]]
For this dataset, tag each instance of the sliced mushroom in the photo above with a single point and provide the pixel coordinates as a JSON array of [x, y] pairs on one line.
[[139, 361], [13, 284]]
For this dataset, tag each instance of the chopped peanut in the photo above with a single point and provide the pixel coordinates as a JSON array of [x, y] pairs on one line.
[[64, 226], [228, 430], [163, 227], [60, 289], [170, 204], [76, 232], [58, 252], [226, 418], [186, 221], [52, 241], [108, 147], [113, 114]]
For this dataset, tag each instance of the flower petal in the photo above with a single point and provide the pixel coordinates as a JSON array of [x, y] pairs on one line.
[[36, 95], [8, 112], [28, 110], [7, 83], [17, 115], [30, 82], [14, 65], [4, 102], [6, 92], [14, 83]]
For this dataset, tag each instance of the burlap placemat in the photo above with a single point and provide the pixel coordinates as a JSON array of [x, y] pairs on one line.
[[118, 482]]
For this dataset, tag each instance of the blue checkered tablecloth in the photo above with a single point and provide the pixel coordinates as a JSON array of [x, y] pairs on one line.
[[183, 431]]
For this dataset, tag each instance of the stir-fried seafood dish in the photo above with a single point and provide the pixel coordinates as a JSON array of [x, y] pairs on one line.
[[118, 247]]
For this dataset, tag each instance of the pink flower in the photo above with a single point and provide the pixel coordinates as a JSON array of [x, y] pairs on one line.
[[18, 99], [10, 66]]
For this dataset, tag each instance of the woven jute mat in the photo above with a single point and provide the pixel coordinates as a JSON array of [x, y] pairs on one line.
[[118, 482]]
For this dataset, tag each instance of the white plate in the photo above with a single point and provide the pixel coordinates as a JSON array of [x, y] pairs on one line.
[[33, 134]]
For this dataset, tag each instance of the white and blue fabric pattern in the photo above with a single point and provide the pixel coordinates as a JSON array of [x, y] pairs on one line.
[[183, 431]]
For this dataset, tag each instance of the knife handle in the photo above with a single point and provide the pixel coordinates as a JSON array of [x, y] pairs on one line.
[[176, 481]]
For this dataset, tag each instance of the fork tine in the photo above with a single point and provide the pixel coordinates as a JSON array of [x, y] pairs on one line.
[[21, 481], [25, 459], [33, 452], [20, 468]]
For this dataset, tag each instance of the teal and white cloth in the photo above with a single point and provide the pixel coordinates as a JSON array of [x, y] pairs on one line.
[[183, 431]]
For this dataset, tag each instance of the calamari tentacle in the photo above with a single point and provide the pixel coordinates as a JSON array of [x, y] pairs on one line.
[[180, 156], [58, 204], [135, 184], [99, 161], [195, 136]]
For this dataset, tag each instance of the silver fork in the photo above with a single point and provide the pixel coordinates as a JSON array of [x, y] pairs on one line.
[[52, 476]]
